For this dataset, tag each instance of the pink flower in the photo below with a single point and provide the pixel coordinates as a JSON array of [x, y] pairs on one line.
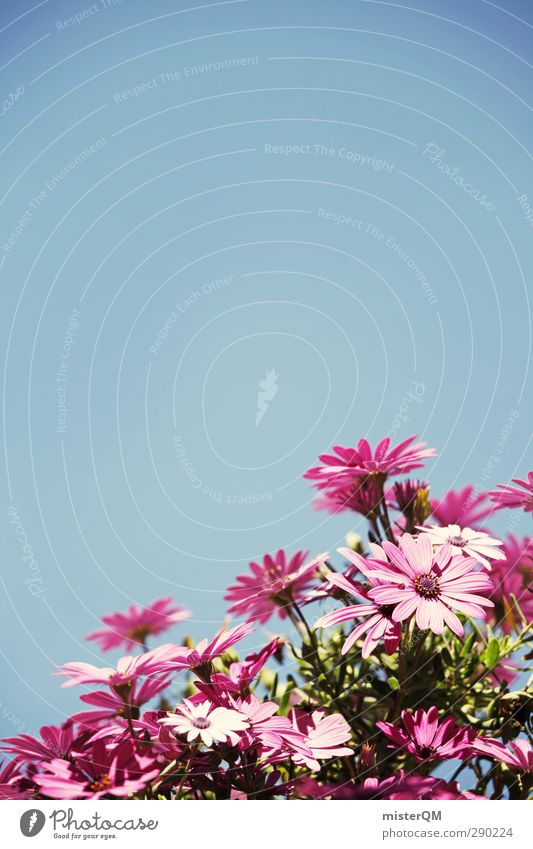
[[323, 734], [129, 629], [428, 585], [272, 585], [461, 507], [475, 544], [111, 704], [427, 740], [513, 576], [98, 772], [205, 652], [518, 756], [377, 622], [520, 495], [275, 734], [14, 785], [363, 497], [206, 723], [127, 669], [340, 469], [55, 742]]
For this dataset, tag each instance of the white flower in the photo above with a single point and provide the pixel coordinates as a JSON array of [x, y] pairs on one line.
[[211, 724], [466, 541]]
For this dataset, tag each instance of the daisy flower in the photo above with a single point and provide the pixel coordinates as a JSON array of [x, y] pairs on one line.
[[127, 670], [513, 576], [518, 755], [129, 629], [419, 582], [461, 507], [205, 652], [98, 772], [324, 735], [426, 739], [206, 723], [473, 543], [341, 468], [378, 622], [520, 495], [273, 584], [362, 497]]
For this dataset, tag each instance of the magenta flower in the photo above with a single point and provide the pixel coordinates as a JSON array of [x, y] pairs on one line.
[[520, 495], [378, 621], [419, 582], [518, 756], [275, 734], [129, 629], [97, 772], [323, 734], [463, 507], [428, 740], [513, 576], [347, 464], [110, 705], [272, 585], [363, 497], [206, 723], [475, 544], [14, 785]]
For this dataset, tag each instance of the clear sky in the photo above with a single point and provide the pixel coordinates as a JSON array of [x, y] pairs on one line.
[[332, 199]]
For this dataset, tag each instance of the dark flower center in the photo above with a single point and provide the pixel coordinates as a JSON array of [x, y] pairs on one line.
[[103, 782], [427, 585], [425, 751], [386, 610], [201, 722], [457, 540]]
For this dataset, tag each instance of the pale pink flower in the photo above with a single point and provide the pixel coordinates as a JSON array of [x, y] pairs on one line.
[[129, 629], [205, 722], [518, 755], [520, 495], [126, 671], [272, 585], [464, 507], [475, 544], [340, 469], [378, 622], [418, 581], [324, 734], [426, 739]]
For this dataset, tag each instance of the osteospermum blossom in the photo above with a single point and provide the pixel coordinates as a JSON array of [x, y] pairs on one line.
[[363, 497], [466, 507], [127, 670], [513, 577], [203, 654], [378, 622], [426, 739], [465, 540], [323, 734], [417, 581], [204, 722], [518, 756], [346, 464], [272, 585], [129, 629], [520, 495]]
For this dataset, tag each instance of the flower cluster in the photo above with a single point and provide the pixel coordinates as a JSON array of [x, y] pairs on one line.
[[407, 671]]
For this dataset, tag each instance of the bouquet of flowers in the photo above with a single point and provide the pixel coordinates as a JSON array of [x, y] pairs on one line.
[[401, 672]]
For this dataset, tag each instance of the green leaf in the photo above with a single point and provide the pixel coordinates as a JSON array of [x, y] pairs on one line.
[[393, 683], [467, 647], [491, 655]]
